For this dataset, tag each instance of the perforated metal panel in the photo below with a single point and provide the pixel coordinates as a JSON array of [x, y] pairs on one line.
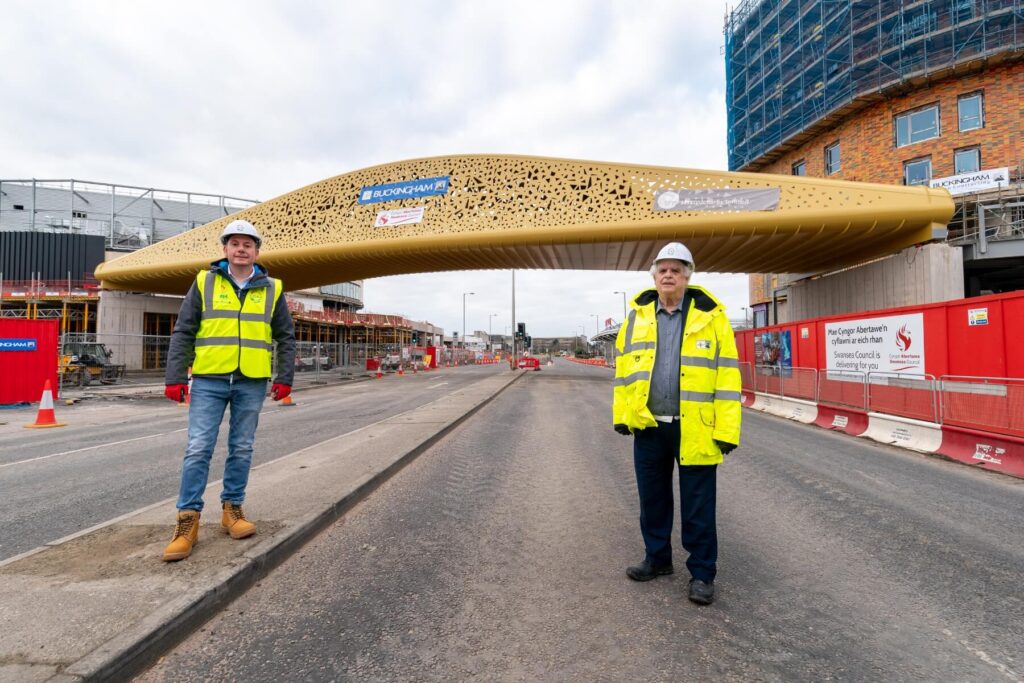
[[530, 212]]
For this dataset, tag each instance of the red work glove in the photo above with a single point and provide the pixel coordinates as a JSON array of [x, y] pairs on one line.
[[176, 392], [279, 391]]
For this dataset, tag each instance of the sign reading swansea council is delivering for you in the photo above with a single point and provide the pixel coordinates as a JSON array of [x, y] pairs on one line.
[[891, 344], [409, 189]]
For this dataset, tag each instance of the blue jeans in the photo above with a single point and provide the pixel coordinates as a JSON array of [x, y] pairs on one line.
[[209, 398], [655, 455]]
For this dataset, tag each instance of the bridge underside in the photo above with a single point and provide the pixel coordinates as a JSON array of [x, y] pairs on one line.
[[499, 212]]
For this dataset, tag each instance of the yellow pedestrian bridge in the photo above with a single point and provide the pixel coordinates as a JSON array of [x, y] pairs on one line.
[[496, 212]]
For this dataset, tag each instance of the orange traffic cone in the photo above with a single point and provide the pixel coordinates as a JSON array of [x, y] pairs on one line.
[[379, 373], [401, 371], [46, 417]]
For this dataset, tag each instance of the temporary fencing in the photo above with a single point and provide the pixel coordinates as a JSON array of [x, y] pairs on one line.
[[992, 404], [913, 396]]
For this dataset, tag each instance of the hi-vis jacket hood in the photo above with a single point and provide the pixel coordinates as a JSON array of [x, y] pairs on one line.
[[709, 376]]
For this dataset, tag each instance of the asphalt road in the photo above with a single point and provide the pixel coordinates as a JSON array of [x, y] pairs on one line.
[[500, 553], [116, 456]]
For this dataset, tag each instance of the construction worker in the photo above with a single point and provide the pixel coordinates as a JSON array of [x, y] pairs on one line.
[[225, 329], [677, 391]]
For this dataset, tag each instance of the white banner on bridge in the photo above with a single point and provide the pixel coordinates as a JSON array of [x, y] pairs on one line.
[[393, 217], [891, 344]]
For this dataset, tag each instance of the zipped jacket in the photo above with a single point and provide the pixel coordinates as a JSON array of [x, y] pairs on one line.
[[226, 331], [709, 376]]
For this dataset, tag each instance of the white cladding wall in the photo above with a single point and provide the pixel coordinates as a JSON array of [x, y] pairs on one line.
[[138, 221], [917, 275], [120, 322]]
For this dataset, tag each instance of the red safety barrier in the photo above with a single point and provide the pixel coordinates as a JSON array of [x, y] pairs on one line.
[[984, 449], [853, 422]]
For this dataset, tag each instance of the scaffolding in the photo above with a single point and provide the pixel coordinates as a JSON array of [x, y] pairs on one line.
[[794, 67]]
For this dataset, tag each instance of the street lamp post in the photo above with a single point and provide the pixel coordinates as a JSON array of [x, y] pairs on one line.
[[464, 295], [623, 304], [596, 328], [490, 319]]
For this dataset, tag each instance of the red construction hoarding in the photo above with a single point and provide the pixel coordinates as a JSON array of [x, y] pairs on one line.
[[28, 357]]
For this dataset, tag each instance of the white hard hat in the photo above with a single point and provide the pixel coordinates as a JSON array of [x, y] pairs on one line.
[[675, 250], [240, 227]]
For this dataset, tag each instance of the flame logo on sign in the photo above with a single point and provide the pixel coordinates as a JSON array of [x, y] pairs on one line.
[[903, 339]]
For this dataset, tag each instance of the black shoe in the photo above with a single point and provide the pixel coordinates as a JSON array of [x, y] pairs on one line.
[[702, 593], [645, 571]]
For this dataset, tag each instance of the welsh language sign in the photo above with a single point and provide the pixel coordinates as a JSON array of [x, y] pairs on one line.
[[892, 344]]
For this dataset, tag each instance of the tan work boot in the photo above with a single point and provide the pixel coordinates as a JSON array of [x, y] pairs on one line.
[[186, 535], [234, 522]]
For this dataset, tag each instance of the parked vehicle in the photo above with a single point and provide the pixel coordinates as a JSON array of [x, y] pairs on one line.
[[307, 359], [529, 362], [82, 363]]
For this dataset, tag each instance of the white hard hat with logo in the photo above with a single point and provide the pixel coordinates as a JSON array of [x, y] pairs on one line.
[[240, 227], [675, 250]]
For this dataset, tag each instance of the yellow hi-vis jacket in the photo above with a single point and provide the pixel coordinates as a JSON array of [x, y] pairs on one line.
[[709, 375], [234, 335]]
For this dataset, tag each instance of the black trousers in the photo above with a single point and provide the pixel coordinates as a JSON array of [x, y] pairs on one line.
[[655, 456]]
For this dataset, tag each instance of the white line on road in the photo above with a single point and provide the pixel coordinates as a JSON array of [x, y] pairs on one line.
[[89, 448], [274, 409]]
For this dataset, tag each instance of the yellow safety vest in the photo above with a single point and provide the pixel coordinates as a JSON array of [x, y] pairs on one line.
[[709, 375], [234, 335]]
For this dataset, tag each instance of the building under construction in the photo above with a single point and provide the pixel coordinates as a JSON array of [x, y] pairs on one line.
[[928, 92]]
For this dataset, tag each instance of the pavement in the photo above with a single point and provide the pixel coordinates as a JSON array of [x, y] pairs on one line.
[[102, 605]]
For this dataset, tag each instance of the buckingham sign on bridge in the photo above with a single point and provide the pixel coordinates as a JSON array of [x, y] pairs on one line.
[[409, 189]]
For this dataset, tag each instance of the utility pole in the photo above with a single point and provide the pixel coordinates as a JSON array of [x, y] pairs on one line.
[[464, 295], [514, 361], [623, 305]]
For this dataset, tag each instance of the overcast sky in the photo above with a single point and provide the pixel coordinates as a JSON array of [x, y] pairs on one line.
[[255, 99]]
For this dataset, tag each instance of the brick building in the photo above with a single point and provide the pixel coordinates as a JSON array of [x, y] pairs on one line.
[[926, 92]]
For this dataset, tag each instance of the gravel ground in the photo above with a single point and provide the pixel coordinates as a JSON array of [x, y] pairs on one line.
[[500, 555]]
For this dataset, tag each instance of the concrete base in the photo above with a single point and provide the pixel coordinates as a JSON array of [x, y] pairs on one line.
[[101, 604], [924, 437]]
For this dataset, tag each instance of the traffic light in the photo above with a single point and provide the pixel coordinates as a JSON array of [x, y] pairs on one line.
[[520, 330], [529, 342]]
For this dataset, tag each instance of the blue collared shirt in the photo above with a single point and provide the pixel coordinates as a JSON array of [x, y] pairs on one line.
[[663, 399]]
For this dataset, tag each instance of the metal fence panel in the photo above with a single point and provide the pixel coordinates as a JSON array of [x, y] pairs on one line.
[[913, 396], [747, 376], [844, 388], [994, 404]]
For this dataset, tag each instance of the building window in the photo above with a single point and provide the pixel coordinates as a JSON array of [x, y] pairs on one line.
[[970, 111], [19, 207], [800, 167], [832, 164], [78, 214], [967, 160], [916, 126], [917, 171]]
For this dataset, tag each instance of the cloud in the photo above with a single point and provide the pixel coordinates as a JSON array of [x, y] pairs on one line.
[[255, 99]]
